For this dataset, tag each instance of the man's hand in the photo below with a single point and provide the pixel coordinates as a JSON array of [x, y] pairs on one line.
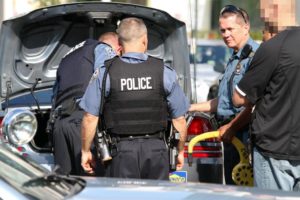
[[226, 134], [88, 130], [180, 125], [180, 160], [87, 162]]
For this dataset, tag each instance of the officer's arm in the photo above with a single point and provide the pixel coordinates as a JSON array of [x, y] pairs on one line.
[[88, 130], [180, 125], [207, 106]]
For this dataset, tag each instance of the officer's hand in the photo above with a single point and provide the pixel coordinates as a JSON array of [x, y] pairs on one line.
[[226, 134], [180, 160], [87, 162]]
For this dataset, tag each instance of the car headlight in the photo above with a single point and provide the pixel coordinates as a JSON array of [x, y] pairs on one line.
[[19, 126]]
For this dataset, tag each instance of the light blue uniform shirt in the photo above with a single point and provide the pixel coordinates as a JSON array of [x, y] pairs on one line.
[[225, 106], [102, 53], [178, 104]]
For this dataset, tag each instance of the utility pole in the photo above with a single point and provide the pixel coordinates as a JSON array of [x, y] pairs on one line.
[[194, 37]]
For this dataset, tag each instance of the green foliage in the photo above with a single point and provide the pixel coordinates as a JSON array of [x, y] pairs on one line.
[[44, 3]]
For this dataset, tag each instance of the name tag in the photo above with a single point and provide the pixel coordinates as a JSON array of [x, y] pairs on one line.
[[140, 83]]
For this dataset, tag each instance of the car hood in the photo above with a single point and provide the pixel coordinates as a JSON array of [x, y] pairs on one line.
[[131, 189], [32, 46]]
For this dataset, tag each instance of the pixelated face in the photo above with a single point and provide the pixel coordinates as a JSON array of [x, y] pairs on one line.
[[234, 33], [277, 13]]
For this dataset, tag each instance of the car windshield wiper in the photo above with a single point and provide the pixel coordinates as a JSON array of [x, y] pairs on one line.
[[69, 185]]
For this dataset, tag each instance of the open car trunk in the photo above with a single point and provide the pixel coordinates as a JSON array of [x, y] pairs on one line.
[[32, 46]]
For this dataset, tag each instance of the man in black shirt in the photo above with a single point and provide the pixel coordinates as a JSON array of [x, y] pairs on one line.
[[272, 84]]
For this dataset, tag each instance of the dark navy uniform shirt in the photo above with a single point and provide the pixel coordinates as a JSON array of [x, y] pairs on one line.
[[102, 53], [178, 104]]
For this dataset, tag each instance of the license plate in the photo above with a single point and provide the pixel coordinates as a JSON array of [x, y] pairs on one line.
[[178, 176]]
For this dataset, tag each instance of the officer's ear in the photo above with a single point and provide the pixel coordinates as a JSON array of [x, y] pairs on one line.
[[145, 42]]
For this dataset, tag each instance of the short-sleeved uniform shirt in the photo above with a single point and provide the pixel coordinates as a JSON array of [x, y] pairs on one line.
[[272, 84], [102, 53], [226, 87], [177, 102]]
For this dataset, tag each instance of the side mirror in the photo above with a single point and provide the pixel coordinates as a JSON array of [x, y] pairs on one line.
[[219, 67]]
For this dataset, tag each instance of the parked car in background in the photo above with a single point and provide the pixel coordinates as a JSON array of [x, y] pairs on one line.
[[208, 60], [32, 46]]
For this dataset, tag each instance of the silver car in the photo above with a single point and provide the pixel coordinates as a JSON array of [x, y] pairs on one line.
[[22, 179]]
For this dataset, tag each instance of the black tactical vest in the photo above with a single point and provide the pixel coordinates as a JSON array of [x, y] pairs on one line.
[[137, 101], [75, 71]]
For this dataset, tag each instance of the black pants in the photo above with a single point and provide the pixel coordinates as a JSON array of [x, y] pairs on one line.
[[67, 144], [140, 158]]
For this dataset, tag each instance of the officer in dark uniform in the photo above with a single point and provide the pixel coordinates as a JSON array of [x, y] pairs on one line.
[[140, 93], [73, 75]]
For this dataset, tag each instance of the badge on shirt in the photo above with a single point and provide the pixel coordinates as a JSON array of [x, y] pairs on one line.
[[94, 76]]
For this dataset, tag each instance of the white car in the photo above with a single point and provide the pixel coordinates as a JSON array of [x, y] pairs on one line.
[[208, 60]]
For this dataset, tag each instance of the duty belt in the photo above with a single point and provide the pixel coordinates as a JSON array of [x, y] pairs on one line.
[[118, 137]]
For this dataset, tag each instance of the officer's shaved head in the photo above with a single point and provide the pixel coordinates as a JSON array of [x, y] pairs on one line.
[[131, 29]]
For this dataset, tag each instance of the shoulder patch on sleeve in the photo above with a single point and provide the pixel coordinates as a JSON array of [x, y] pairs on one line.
[[110, 52], [94, 76]]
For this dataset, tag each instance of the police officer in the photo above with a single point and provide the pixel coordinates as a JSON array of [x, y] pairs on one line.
[[140, 94], [73, 75], [234, 25]]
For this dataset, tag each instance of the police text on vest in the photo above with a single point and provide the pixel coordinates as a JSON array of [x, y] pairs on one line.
[[141, 83]]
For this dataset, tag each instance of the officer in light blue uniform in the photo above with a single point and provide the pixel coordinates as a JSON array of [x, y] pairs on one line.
[[230, 78], [73, 75], [234, 26], [141, 94], [178, 104], [226, 111]]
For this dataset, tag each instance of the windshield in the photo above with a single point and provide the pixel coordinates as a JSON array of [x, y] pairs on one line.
[[21, 174]]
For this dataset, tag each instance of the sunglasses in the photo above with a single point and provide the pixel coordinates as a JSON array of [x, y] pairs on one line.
[[233, 9]]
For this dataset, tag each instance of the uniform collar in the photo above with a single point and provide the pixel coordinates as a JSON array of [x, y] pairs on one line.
[[238, 54], [138, 56]]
